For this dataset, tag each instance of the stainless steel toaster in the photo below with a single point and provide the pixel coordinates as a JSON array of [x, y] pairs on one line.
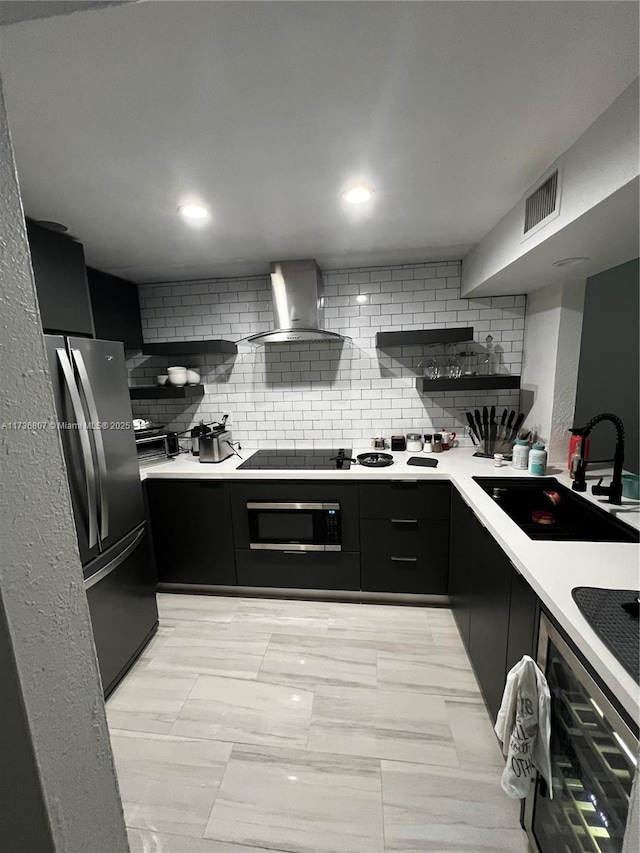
[[215, 446]]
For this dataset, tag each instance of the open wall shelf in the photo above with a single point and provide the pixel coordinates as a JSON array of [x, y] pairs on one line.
[[423, 337], [468, 383], [165, 392], [191, 348]]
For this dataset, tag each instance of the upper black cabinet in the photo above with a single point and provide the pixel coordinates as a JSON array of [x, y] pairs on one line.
[[116, 309], [61, 281]]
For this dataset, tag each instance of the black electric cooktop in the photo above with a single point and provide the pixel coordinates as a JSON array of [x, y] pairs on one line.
[[330, 459]]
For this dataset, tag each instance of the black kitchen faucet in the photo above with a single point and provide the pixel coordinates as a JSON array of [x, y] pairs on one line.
[[614, 489]]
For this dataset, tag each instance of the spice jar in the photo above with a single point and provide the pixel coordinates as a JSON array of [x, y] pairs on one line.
[[428, 444], [437, 443]]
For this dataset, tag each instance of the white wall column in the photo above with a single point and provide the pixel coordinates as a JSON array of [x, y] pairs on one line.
[[553, 329], [58, 788]]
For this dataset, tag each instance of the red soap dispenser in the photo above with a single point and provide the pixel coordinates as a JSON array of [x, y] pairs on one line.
[[574, 450]]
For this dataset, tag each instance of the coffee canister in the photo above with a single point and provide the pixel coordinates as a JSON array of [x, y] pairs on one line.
[[398, 442], [414, 442]]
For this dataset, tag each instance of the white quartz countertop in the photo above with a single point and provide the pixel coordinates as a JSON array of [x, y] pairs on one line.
[[553, 569]]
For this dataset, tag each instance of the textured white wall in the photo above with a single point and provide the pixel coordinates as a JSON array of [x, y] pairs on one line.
[[308, 394], [550, 368], [604, 159], [47, 630]]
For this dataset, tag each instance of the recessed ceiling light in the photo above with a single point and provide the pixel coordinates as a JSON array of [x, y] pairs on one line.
[[570, 262], [193, 211], [359, 194]]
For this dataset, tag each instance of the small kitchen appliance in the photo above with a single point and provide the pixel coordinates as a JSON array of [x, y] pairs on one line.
[[215, 446], [294, 526], [154, 443]]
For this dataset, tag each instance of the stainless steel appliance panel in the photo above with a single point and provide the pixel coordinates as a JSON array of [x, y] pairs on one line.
[[121, 591], [297, 492], [74, 435], [102, 379]]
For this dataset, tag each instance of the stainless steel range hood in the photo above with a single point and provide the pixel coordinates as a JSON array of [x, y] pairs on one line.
[[296, 287]]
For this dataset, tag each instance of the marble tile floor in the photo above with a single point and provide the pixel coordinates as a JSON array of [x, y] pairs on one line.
[[255, 725]]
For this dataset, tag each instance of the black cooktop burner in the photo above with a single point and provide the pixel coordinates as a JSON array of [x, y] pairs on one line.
[[311, 459]]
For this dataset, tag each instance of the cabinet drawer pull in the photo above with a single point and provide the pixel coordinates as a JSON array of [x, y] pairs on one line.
[[297, 553], [405, 559], [404, 521]]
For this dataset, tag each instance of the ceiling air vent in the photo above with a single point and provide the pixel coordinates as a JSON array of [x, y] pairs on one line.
[[541, 203]]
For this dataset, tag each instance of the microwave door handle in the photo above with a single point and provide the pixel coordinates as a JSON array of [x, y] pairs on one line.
[[89, 471], [85, 384]]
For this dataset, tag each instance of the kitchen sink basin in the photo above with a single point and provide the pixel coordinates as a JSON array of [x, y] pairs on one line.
[[546, 510]]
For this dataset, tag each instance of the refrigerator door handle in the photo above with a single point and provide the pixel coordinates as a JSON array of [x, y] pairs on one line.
[[112, 565], [85, 384], [85, 446]]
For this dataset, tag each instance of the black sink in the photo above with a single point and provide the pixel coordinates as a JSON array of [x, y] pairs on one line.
[[546, 510]]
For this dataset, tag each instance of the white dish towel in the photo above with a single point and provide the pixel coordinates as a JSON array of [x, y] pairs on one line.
[[524, 729]]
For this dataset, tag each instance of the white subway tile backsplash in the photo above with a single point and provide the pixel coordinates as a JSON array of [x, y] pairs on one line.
[[328, 392]]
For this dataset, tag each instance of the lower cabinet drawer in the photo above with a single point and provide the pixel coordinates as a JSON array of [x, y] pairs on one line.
[[298, 570], [418, 537], [382, 573], [404, 555]]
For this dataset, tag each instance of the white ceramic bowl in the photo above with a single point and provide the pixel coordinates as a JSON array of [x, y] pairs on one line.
[[162, 380], [177, 376], [193, 377]]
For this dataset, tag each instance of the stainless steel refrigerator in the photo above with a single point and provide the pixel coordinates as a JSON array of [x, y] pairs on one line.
[[94, 412]]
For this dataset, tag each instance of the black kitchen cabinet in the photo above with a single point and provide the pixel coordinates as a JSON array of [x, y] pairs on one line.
[[461, 554], [116, 309], [404, 536], [489, 618], [299, 569], [495, 608], [404, 499], [61, 281], [191, 529], [524, 616], [404, 555]]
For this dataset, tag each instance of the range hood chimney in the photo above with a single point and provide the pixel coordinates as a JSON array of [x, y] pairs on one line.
[[296, 288]]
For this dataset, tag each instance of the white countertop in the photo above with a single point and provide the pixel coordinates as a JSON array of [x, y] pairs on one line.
[[553, 569]]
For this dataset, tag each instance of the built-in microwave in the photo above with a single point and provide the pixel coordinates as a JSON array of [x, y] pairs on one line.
[[288, 526]]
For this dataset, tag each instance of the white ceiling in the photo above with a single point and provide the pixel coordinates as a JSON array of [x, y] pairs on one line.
[[264, 110]]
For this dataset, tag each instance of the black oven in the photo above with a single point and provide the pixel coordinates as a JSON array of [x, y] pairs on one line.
[[299, 526]]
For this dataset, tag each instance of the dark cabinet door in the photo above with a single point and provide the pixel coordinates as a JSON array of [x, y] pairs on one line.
[[299, 569], [61, 281], [116, 309], [461, 561], [523, 621], [404, 555], [404, 499], [191, 528], [489, 622]]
